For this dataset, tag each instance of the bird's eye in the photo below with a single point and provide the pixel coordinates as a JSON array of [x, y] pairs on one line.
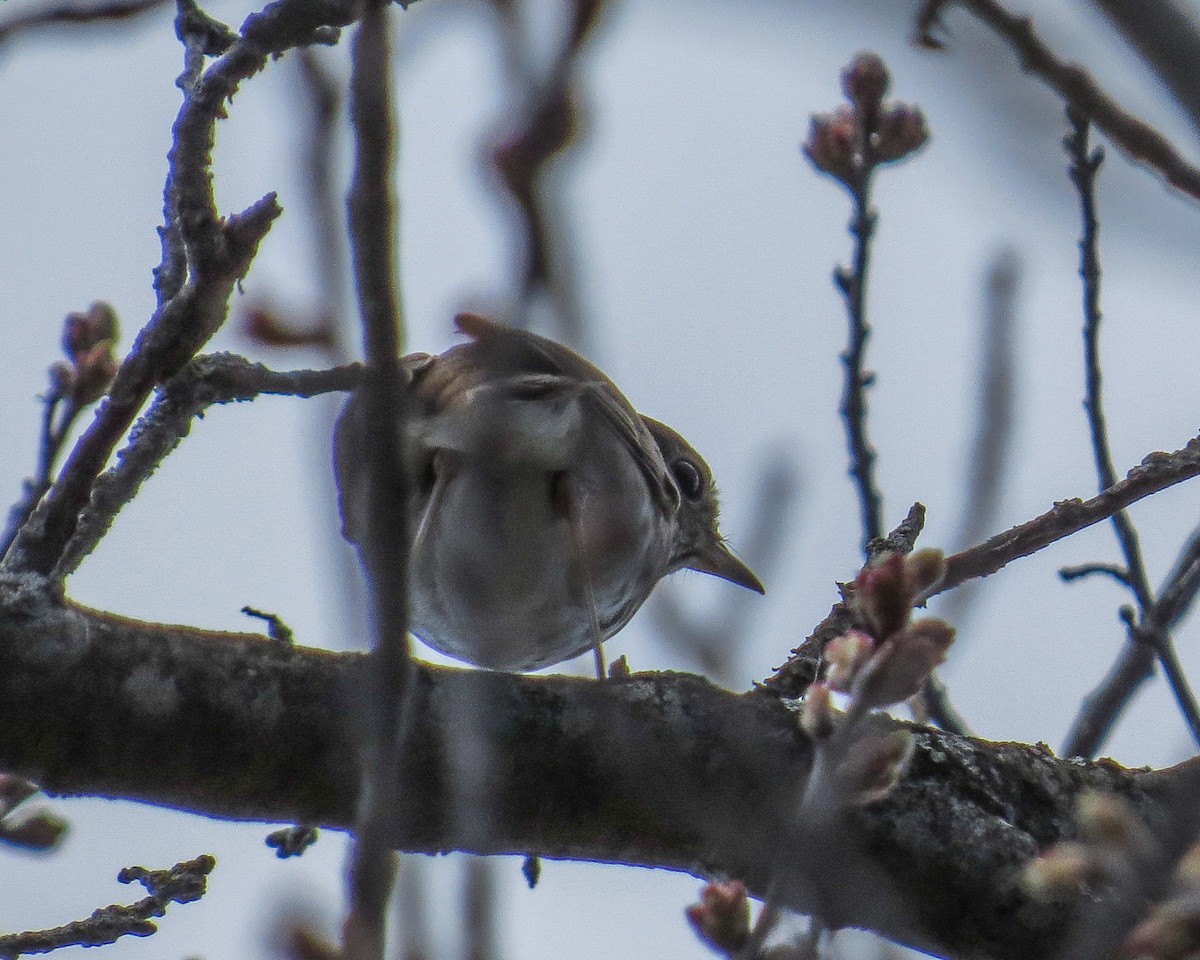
[[687, 475]]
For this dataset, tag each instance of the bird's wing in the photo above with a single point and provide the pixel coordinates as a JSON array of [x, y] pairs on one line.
[[496, 346]]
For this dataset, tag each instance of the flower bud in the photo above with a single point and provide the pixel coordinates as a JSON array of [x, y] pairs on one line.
[[865, 83], [844, 656], [1106, 820], [1060, 872], [1171, 932], [62, 378], [84, 330], [901, 131], [94, 371], [881, 598], [832, 143], [40, 831], [902, 664], [923, 570], [722, 918], [816, 718], [874, 765]]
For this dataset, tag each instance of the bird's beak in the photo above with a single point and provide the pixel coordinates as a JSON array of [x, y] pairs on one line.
[[717, 559]]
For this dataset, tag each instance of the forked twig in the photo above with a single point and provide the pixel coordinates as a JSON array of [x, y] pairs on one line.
[[1147, 627]]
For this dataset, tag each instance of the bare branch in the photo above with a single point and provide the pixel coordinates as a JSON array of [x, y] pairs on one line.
[[1135, 138], [218, 252], [1157, 471], [1082, 570], [658, 770], [385, 548], [549, 125], [1148, 627], [183, 883], [989, 455], [207, 380]]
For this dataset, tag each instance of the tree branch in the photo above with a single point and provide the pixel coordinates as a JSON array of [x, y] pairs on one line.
[[386, 709], [76, 14], [204, 256], [656, 770], [183, 883], [1156, 472], [209, 379], [1167, 36], [1135, 138]]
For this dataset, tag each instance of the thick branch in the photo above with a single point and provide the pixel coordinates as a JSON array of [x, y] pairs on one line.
[[658, 770]]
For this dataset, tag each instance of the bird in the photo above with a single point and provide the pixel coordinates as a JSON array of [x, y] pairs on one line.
[[543, 507]]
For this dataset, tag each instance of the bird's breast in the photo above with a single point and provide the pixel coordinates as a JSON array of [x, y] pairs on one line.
[[511, 554]]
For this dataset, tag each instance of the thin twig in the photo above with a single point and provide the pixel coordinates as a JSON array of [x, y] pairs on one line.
[[54, 432], [1182, 583], [1156, 472], [941, 710], [183, 883], [76, 14], [1081, 570], [386, 546], [207, 380], [1085, 164], [853, 285], [988, 458], [211, 253], [479, 909], [219, 252], [1148, 626], [524, 159], [321, 196], [1135, 665], [1134, 137]]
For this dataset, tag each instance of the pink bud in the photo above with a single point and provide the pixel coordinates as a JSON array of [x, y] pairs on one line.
[[38, 832], [844, 656], [1105, 820], [83, 330], [816, 718], [832, 143], [881, 597], [865, 83], [1060, 872], [902, 664], [94, 371], [1171, 932], [722, 918], [901, 131], [923, 570], [874, 765]]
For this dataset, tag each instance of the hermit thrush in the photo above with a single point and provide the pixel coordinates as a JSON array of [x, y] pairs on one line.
[[544, 507]]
